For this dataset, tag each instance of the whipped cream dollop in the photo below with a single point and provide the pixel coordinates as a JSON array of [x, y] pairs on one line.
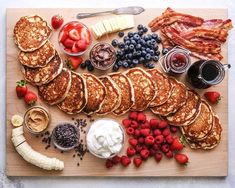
[[105, 137]]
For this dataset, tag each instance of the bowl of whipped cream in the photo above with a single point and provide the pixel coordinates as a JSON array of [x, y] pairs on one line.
[[105, 138]]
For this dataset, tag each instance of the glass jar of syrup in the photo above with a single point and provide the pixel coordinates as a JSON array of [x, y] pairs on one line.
[[176, 61], [206, 73]]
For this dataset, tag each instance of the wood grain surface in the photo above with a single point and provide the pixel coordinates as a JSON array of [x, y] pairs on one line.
[[202, 163]]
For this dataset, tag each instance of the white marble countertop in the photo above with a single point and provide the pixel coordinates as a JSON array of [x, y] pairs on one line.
[[118, 182]]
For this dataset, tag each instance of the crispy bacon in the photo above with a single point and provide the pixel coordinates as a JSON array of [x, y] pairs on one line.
[[217, 57]]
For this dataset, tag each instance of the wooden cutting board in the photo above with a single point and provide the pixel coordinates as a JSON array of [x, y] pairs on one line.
[[202, 163]]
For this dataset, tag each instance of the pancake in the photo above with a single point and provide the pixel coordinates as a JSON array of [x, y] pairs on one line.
[[31, 32], [177, 99], [40, 76], [55, 91], [144, 88], [112, 99], [201, 127], [127, 93], [163, 87], [38, 58], [211, 140], [76, 98], [188, 112], [96, 94]]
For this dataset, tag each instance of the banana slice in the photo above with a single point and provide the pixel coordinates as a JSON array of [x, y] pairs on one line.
[[17, 120]]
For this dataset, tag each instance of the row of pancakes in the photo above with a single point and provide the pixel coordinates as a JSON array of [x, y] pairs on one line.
[[133, 90]]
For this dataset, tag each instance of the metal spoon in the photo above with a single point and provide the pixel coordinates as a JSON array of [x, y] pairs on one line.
[[123, 10]]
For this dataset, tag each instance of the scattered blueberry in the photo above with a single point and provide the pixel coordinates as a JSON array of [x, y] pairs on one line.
[[157, 53], [115, 68], [115, 42], [158, 40], [155, 58], [145, 29], [151, 65], [87, 62], [165, 51], [83, 65], [140, 26], [121, 34], [90, 68]]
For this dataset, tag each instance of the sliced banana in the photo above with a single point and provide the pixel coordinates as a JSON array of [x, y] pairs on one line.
[[17, 120]]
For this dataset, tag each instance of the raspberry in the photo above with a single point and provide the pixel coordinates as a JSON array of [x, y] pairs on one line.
[[149, 140], [144, 147], [169, 139], [138, 148], [169, 154], [137, 161], [125, 161], [109, 163], [144, 154], [162, 124], [145, 125], [133, 115], [165, 148], [130, 151], [145, 132], [152, 152], [173, 129], [133, 141], [158, 157], [159, 139], [126, 122], [134, 124], [137, 133], [154, 123], [156, 147], [165, 132], [130, 131], [141, 140], [157, 132], [141, 117], [116, 159]]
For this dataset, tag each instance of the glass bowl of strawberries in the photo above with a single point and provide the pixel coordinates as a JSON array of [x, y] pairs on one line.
[[74, 38]]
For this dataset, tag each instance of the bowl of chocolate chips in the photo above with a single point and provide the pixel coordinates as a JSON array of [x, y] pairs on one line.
[[65, 136]]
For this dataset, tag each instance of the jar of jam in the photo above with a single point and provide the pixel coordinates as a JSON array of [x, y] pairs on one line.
[[206, 73], [176, 61]]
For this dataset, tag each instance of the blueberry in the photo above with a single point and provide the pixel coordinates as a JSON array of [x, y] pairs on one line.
[[148, 50], [131, 47], [141, 60], [143, 53], [132, 65], [90, 68], [135, 61], [125, 64], [136, 37], [148, 57], [146, 38], [126, 38], [126, 48], [134, 54], [145, 29], [133, 42], [155, 48], [119, 63], [158, 40], [157, 53], [87, 62], [152, 52], [130, 34], [138, 53], [154, 36], [129, 56], [140, 32], [127, 42], [120, 53], [115, 68], [149, 43], [146, 64], [121, 34], [155, 58], [151, 65], [140, 26], [114, 42], [153, 41], [138, 46], [121, 45], [165, 51], [83, 65]]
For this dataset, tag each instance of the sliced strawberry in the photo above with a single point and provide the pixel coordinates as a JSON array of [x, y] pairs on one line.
[[81, 45], [74, 35], [85, 35], [69, 27], [68, 43], [75, 49], [63, 36], [68, 50]]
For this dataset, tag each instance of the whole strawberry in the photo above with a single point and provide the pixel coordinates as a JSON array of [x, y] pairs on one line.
[[176, 145], [56, 21], [30, 98], [73, 62], [181, 158], [21, 88], [213, 96]]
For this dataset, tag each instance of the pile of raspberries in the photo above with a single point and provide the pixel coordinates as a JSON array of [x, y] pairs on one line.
[[148, 138]]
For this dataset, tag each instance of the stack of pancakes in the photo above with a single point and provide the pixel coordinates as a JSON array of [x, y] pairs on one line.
[[117, 93]]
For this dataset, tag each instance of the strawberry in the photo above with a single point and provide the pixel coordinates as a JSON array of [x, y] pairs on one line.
[[130, 131], [176, 145], [85, 35], [116, 159], [30, 98], [162, 124], [133, 115], [68, 43], [181, 158], [74, 34], [145, 132], [74, 62], [141, 117], [56, 21], [81, 45], [149, 140], [158, 157], [63, 36], [137, 161], [109, 163], [212, 96], [21, 88], [125, 161], [126, 122], [154, 123], [130, 151], [133, 142], [134, 124], [75, 49], [144, 154]]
